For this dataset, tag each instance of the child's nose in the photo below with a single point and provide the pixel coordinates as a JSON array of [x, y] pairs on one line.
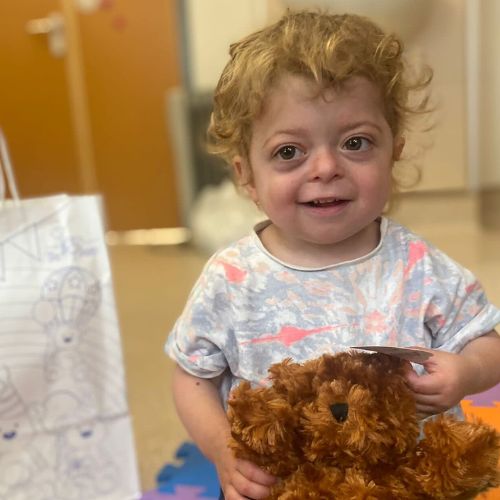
[[325, 166]]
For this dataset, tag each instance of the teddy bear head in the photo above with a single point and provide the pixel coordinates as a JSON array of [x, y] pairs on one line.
[[360, 409], [345, 408]]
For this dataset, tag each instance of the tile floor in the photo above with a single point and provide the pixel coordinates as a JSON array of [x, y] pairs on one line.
[[152, 284]]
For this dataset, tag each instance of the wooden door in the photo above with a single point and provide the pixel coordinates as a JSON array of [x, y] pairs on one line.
[[130, 59], [35, 111], [93, 120]]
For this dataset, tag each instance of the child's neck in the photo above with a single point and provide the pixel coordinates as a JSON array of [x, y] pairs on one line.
[[312, 255]]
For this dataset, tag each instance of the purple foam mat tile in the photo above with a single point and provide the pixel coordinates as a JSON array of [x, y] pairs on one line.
[[182, 492], [486, 398]]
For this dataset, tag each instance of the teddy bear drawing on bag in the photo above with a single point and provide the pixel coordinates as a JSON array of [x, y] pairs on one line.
[[345, 426]]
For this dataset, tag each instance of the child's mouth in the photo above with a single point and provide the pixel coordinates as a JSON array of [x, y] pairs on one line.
[[326, 202]]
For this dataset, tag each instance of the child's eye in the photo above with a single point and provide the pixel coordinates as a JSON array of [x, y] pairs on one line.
[[289, 152], [357, 144]]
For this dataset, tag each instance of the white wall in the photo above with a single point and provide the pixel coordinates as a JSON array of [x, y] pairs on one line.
[[489, 94], [213, 26], [441, 43]]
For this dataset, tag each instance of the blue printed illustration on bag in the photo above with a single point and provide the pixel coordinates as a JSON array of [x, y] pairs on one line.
[[20, 462], [64, 244], [84, 465], [69, 299]]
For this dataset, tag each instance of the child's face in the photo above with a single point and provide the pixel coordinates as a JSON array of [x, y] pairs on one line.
[[321, 163]]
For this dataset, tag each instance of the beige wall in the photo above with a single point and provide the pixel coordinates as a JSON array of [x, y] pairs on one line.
[[441, 43], [489, 94], [213, 25]]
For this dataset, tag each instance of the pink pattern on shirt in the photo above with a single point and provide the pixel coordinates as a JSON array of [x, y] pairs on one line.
[[417, 252], [473, 287], [233, 274], [288, 335], [375, 322]]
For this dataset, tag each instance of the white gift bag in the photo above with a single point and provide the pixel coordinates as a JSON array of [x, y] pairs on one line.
[[65, 429]]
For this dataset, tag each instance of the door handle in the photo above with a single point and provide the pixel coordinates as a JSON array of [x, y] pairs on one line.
[[54, 27]]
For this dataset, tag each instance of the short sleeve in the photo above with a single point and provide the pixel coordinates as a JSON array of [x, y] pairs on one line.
[[199, 339], [458, 310]]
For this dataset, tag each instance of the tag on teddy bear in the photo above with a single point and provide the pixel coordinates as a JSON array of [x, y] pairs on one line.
[[412, 354]]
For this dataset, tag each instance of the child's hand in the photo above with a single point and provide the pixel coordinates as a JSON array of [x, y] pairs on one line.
[[445, 383], [241, 479]]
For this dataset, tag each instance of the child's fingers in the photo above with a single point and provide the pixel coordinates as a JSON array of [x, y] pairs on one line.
[[249, 489], [248, 481], [423, 384], [429, 404], [231, 493], [254, 473], [428, 399], [427, 410], [424, 410]]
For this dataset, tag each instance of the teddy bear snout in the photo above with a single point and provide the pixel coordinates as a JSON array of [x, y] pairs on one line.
[[340, 411]]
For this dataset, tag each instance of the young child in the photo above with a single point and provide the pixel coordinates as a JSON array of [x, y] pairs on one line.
[[311, 112]]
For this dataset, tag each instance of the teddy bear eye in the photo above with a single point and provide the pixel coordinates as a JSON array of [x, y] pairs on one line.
[[340, 411]]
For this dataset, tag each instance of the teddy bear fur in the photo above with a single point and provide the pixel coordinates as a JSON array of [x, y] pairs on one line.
[[345, 426]]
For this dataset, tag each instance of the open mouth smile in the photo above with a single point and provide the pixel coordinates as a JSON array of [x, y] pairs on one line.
[[326, 202]]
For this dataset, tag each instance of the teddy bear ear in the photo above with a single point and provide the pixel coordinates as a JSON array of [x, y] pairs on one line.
[[294, 381], [392, 363], [352, 365], [377, 365], [264, 428], [280, 370]]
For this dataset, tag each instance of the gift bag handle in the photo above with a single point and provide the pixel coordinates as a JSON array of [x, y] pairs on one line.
[[7, 177]]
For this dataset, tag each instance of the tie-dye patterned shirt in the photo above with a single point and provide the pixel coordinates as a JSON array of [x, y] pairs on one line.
[[249, 310]]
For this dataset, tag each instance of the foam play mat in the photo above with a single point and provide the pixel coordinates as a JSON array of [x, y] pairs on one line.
[[193, 477]]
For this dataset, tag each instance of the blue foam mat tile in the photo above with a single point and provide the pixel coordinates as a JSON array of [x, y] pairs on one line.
[[194, 472]]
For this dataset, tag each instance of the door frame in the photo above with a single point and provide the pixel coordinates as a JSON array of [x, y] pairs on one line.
[[77, 93]]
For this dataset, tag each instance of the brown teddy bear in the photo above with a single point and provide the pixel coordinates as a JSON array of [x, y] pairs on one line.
[[345, 426]]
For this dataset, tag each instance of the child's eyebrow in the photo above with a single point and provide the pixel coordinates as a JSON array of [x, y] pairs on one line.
[[289, 131], [359, 124]]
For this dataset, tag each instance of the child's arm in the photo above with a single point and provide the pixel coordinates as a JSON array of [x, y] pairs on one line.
[[450, 376], [200, 408]]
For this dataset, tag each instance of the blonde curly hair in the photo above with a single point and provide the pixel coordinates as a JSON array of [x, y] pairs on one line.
[[326, 48]]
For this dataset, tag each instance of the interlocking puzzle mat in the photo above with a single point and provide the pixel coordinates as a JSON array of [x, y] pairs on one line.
[[192, 478]]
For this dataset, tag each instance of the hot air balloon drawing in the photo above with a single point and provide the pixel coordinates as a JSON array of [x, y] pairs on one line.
[[69, 299]]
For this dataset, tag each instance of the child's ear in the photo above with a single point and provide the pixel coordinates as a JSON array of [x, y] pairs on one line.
[[243, 178], [398, 146]]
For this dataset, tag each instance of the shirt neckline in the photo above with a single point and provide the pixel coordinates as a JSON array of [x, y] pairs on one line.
[[384, 223]]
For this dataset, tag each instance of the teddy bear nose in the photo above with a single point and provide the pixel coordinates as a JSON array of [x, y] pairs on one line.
[[339, 411]]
